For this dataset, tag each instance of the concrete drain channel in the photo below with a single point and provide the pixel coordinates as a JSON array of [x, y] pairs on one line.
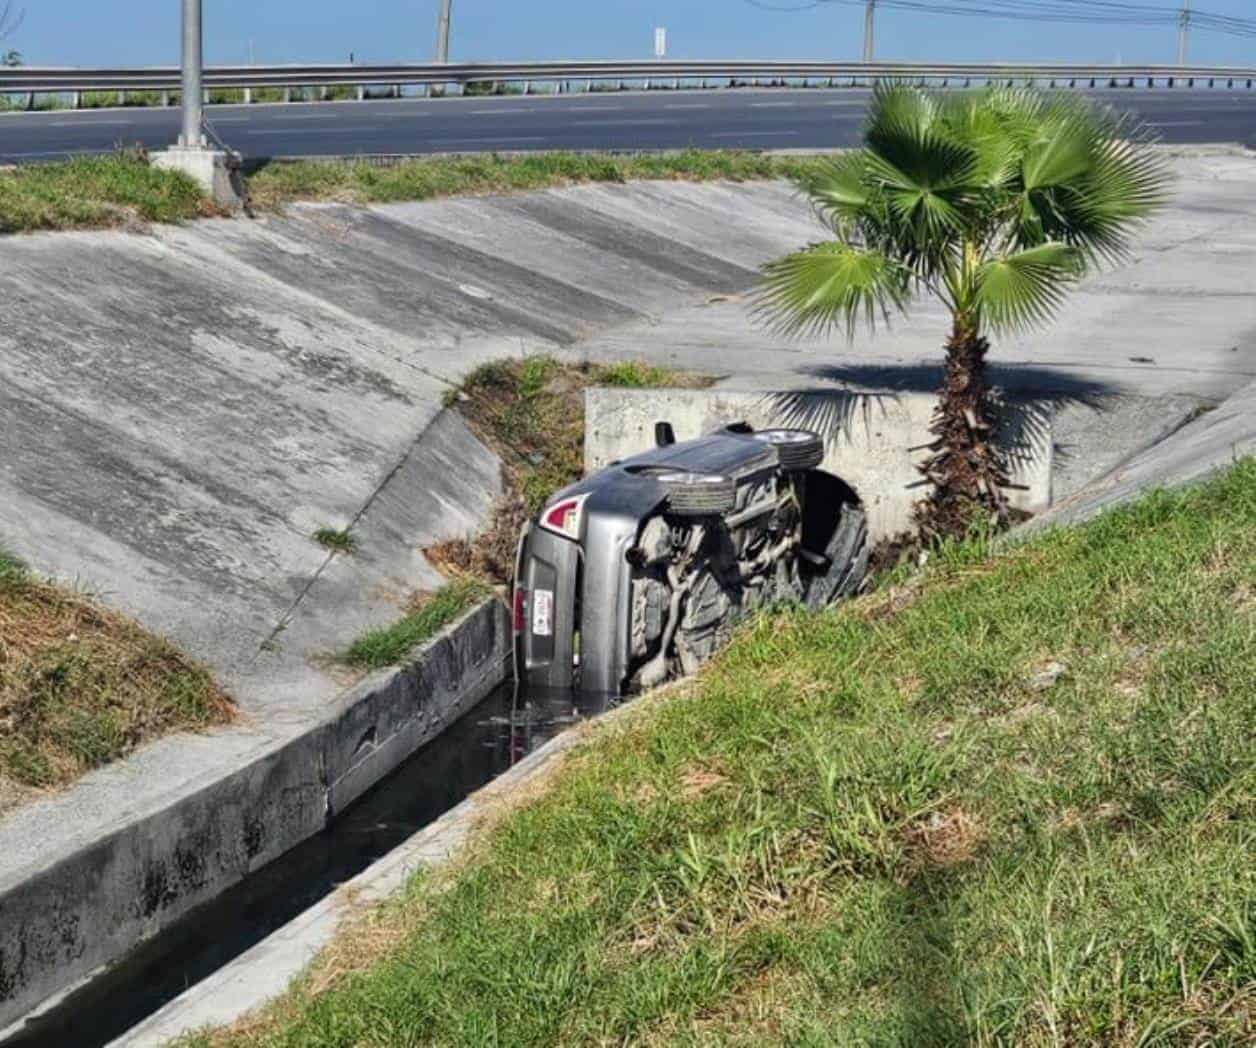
[[486, 742]]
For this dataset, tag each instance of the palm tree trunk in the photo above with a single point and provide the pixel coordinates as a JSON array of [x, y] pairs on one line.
[[967, 469]]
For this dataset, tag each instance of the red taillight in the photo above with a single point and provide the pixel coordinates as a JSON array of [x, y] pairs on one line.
[[521, 606], [563, 517]]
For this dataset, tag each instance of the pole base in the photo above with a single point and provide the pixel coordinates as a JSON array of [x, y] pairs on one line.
[[209, 168]]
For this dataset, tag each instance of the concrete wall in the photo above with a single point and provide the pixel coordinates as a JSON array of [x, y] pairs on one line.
[[62, 921], [868, 437]]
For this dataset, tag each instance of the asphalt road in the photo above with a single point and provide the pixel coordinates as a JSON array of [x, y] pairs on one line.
[[747, 118]]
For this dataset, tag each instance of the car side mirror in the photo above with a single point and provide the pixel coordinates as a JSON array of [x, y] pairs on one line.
[[664, 435]]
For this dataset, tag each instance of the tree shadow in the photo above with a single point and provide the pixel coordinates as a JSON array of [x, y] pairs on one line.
[[1027, 397]]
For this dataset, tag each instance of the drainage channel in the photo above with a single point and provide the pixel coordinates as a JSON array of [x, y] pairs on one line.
[[472, 752]]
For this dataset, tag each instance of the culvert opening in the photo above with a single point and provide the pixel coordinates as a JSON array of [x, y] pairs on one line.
[[473, 751]]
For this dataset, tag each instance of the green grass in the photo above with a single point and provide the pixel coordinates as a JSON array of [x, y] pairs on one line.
[[428, 616], [81, 686], [99, 192], [866, 826], [95, 192], [338, 541], [363, 182]]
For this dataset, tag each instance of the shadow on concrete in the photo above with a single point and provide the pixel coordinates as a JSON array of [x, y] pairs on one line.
[[1028, 398]]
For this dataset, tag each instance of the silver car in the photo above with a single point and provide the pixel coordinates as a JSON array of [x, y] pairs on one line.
[[638, 573]]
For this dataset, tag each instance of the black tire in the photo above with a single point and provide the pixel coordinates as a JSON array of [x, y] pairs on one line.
[[697, 494], [796, 449], [847, 554]]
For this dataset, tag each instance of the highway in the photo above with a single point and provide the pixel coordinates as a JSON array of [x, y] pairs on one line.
[[718, 118]]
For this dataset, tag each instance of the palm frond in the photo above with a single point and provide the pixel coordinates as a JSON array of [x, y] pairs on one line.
[[830, 285], [1025, 288]]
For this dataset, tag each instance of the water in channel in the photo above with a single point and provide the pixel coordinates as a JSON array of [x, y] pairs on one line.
[[469, 754]]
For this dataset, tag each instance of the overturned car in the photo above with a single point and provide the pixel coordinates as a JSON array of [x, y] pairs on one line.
[[638, 573]]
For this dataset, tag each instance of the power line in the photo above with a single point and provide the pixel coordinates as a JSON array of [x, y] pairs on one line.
[[1086, 12]]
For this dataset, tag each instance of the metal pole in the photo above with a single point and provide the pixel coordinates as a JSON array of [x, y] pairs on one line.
[[869, 25], [193, 62], [1184, 28], [442, 32]]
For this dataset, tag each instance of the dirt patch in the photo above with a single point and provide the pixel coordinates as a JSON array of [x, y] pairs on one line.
[[943, 840]]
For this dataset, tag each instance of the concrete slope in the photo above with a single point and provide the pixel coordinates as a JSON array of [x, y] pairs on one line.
[[180, 411], [1177, 318], [1210, 442]]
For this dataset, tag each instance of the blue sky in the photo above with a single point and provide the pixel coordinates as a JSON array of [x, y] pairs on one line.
[[92, 32]]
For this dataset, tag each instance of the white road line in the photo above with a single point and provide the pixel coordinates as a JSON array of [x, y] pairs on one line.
[[63, 152], [313, 116], [774, 105], [1175, 123], [752, 134], [862, 105], [488, 112], [695, 105], [310, 131], [585, 108], [661, 122], [89, 123], [478, 141]]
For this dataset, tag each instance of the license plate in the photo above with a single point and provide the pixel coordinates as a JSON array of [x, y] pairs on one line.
[[543, 612]]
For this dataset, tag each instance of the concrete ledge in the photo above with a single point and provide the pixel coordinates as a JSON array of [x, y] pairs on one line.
[[869, 437], [265, 971], [89, 907]]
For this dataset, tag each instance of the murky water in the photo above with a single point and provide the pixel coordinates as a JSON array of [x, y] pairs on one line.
[[470, 754]]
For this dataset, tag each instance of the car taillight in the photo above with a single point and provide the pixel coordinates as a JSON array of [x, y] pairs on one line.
[[563, 517], [521, 603]]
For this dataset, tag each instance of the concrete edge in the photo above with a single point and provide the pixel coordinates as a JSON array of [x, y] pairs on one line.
[[1188, 454], [269, 968], [88, 908]]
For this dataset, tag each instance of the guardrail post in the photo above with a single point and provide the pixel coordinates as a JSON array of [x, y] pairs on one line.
[[361, 92], [248, 96], [287, 94], [76, 99]]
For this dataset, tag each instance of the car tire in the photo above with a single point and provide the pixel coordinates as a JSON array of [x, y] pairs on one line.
[[796, 449], [698, 494], [847, 554]]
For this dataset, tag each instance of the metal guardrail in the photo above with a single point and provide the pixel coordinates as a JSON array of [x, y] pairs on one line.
[[45, 80]]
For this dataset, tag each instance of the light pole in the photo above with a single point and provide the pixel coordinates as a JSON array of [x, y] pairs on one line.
[[193, 61], [869, 23], [442, 32], [1184, 29]]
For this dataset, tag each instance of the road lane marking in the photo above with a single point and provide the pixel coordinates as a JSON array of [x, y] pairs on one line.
[[695, 105], [309, 131], [752, 134], [651, 122], [773, 105], [89, 123], [313, 116], [479, 141], [1176, 123]]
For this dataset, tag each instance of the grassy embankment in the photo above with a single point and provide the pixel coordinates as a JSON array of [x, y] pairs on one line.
[[531, 413], [102, 192], [1010, 801], [81, 686]]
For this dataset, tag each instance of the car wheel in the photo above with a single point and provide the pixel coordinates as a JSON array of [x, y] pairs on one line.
[[847, 555], [796, 449], [697, 494]]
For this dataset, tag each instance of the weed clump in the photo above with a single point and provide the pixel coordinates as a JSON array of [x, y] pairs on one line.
[[427, 615], [81, 686], [530, 411]]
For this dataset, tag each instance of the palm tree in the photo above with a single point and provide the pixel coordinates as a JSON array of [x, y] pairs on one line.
[[996, 201]]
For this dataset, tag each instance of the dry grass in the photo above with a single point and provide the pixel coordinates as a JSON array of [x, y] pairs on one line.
[[81, 686], [530, 411]]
